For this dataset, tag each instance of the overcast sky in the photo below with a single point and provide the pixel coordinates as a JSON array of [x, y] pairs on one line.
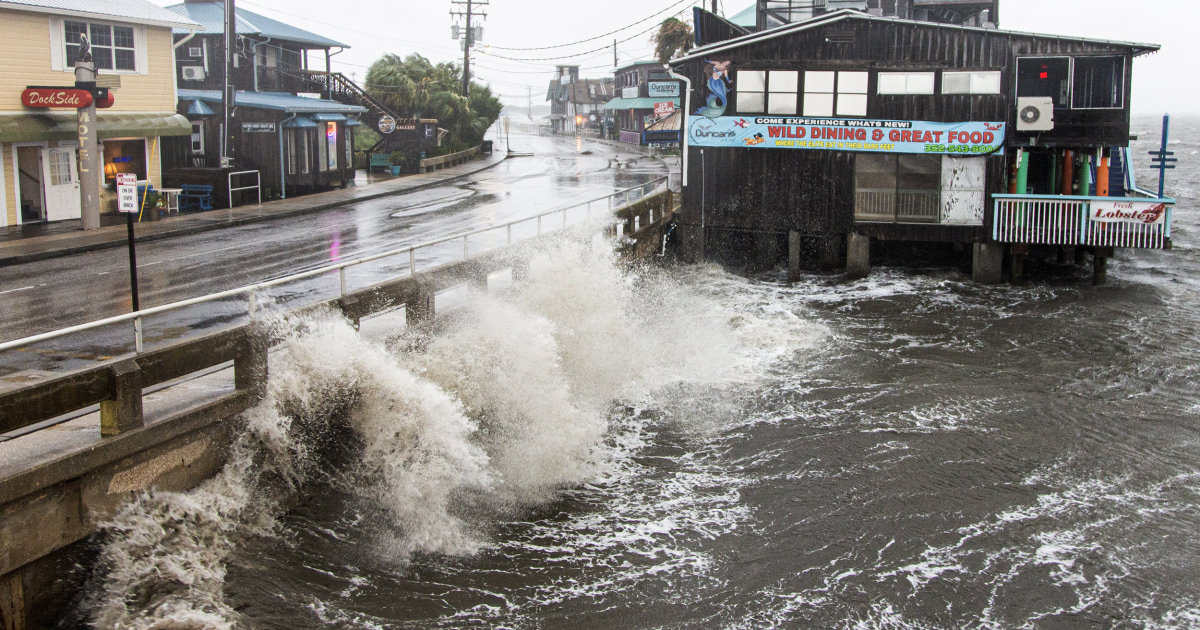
[[1168, 81]]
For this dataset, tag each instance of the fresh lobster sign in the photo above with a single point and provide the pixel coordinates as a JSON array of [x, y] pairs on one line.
[[1147, 212], [71, 98]]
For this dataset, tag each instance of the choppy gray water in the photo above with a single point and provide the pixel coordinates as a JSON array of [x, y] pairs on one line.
[[908, 451]]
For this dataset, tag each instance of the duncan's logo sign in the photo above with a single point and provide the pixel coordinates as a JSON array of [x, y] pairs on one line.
[[56, 97]]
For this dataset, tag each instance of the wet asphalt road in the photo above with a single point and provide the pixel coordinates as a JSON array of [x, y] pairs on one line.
[[53, 294]]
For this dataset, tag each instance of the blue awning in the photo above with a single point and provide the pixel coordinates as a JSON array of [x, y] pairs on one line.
[[198, 108], [326, 117], [350, 122], [300, 122]]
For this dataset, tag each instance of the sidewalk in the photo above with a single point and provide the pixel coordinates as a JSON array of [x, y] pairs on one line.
[[19, 247]]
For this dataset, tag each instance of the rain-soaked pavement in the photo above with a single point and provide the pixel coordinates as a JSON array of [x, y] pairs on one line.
[[53, 294]]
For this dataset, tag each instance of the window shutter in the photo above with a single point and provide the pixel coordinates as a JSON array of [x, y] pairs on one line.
[[58, 50], [141, 45]]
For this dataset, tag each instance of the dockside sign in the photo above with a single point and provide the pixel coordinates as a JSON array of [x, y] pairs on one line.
[[56, 97], [847, 134]]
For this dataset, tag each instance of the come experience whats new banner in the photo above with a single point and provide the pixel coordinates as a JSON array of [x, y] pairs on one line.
[[841, 134]]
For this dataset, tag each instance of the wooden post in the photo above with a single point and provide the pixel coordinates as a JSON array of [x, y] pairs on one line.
[[421, 309], [1068, 178], [123, 411], [858, 256], [1023, 173], [793, 256], [1102, 176], [250, 371]]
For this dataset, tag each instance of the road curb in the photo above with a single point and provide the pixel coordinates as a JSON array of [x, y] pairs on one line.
[[20, 259]]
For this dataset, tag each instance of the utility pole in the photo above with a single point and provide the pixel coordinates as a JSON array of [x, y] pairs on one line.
[[530, 90], [469, 38], [89, 143], [615, 52], [227, 90]]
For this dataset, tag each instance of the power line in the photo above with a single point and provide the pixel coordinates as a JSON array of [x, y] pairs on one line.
[[589, 52], [590, 39]]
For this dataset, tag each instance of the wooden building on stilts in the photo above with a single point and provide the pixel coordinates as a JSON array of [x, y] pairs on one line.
[[808, 139]]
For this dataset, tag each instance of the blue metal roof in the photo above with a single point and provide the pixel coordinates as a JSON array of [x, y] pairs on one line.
[[279, 101], [747, 18], [211, 15]]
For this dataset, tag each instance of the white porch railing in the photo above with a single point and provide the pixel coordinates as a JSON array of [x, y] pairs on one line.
[[1073, 220]]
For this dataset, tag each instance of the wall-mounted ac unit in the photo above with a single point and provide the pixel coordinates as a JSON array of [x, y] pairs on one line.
[[1035, 113], [193, 73]]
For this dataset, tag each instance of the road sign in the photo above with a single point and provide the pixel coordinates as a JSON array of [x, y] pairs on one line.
[[127, 192], [387, 124]]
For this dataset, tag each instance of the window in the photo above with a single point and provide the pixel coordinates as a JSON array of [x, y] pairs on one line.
[[113, 47], [60, 166], [1099, 83], [198, 137], [897, 187], [828, 92], [970, 83], [772, 92], [751, 91], [906, 82], [195, 51], [1045, 76]]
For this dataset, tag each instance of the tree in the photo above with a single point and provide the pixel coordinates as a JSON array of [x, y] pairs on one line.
[[414, 87], [673, 36]]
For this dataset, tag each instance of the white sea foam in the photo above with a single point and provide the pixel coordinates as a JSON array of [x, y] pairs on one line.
[[503, 408]]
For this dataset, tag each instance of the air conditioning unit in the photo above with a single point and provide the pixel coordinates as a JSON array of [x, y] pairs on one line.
[[193, 72], [1035, 113]]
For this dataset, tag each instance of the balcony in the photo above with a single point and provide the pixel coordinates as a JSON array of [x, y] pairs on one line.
[[1142, 222]]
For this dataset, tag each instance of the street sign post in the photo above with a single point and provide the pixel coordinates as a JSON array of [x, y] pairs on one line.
[[127, 203], [1162, 160]]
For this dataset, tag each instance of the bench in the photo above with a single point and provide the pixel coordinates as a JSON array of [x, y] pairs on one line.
[[381, 160], [197, 196]]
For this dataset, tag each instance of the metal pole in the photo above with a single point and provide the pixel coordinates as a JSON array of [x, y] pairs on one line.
[[133, 280], [1162, 171]]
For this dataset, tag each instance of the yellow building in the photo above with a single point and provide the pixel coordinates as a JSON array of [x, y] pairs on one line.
[[132, 47]]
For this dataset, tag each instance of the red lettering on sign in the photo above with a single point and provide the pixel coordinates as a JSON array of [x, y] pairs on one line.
[[56, 97], [775, 132]]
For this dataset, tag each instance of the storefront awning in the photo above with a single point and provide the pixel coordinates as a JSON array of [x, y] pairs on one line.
[[328, 117], [350, 122], [299, 122], [198, 108], [638, 103], [37, 127]]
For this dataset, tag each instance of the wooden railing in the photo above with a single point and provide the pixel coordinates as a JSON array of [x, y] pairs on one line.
[[1134, 222], [437, 163]]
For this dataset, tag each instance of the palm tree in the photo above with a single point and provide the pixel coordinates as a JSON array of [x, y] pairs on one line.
[[673, 36]]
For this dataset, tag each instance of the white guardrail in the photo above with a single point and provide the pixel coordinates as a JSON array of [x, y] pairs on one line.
[[616, 201]]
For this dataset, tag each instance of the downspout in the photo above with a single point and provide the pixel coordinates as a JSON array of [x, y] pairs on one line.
[[683, 130], [185, 40], [282, 162], [254, 60]]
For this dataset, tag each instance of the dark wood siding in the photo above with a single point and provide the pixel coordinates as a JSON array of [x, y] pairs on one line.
[[813, 191]]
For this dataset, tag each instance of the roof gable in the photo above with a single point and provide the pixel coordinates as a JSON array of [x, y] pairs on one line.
[[847, 15], [134, 11], [211, 15]]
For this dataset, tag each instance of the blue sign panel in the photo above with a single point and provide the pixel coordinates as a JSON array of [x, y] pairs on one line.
[[847, 134]]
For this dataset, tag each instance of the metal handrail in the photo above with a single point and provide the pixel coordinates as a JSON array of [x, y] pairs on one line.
[[341, 267], [257, 185]]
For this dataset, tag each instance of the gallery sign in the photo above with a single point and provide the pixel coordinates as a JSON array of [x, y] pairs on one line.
[[1126, 211], [664, 88], [848, 134], [387, 124], [258, 127]]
